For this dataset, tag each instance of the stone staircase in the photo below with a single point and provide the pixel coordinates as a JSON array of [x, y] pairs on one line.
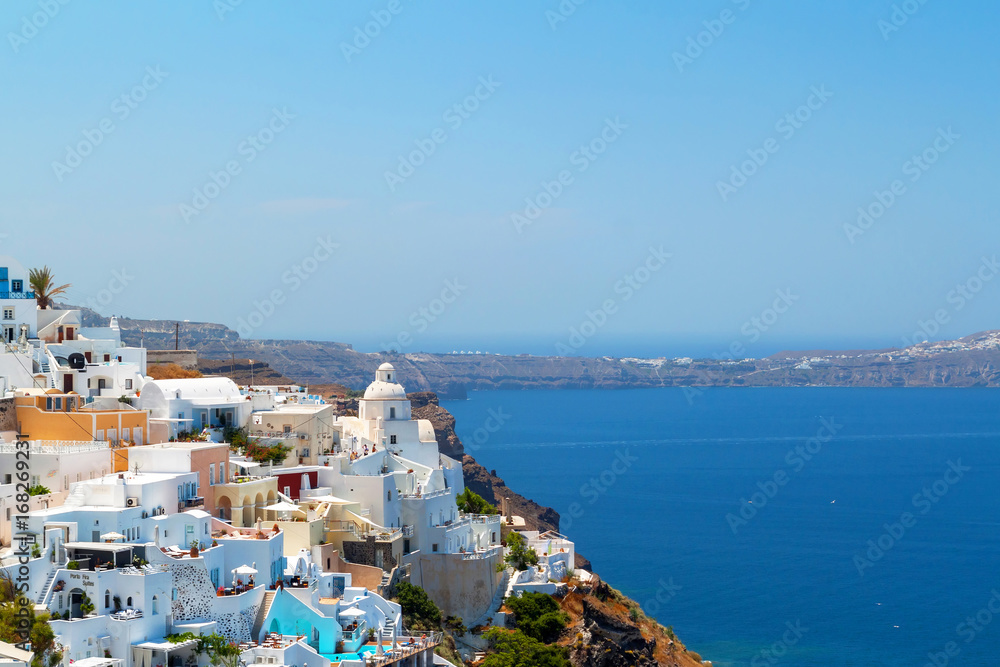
[[265, 607]]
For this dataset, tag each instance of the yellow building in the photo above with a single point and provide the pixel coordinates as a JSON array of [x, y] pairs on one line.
[[50, 414]]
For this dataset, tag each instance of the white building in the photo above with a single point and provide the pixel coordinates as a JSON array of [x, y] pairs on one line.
[[195, 404]]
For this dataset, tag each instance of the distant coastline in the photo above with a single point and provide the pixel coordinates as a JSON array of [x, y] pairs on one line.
[[973, 361]]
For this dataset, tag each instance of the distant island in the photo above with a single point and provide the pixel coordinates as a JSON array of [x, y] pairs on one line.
[[973, 361]]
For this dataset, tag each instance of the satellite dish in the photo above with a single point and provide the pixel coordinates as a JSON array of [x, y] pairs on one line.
[[77, 361]]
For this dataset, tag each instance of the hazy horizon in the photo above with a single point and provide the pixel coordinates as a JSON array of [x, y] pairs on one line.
[[511, 172]]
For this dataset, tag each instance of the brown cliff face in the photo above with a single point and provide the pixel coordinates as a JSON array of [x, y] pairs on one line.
[[607, 629], [425, 405]]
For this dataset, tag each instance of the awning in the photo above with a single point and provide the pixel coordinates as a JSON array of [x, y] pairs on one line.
[[353, 612]]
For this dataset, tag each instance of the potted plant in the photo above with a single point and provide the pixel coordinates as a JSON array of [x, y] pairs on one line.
[[194, 549]]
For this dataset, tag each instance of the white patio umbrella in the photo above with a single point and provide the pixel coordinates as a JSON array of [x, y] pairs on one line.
[[285, 508], [379, 651], [112, 536], [245, 569]]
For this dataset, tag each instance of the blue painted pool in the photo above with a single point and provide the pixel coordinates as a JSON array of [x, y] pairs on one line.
[[338, 657]]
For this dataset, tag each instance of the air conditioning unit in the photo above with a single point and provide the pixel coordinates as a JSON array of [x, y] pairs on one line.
[[131, 502], [303, 436]]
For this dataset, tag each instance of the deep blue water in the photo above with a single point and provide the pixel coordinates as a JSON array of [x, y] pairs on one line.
[[663, 515]]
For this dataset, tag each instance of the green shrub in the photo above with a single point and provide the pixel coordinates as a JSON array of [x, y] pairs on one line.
[[419, 611], [472, 503], [38, 490], [519, 556], [538, 616], [516, 649], [72, 565]]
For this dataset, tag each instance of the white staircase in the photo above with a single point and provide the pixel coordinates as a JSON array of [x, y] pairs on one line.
[[389, 631], [76, 497], [44, 593]]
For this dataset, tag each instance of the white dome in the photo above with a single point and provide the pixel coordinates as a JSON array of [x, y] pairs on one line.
[[386, 367], [385, 390]]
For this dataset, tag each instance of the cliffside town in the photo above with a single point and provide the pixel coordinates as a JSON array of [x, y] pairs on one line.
[[178, 515]]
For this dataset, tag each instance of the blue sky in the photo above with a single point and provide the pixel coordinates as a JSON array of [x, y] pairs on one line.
[[332, 114]]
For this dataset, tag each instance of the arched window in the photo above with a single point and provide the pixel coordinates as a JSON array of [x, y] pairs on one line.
[[156, 605], [128, 602], [107, 599]]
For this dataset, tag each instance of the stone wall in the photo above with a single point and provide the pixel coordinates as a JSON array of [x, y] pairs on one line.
[[196, 599], [187, 359], [460, 587], [363, 553], [8, 415]]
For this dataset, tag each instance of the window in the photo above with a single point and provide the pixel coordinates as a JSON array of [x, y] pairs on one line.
[[156, 605], [434, 548], [58, 402], [48, 403], [392, 440], [107, 599], [388, 495], [8, 313], [17, 286], [392, 413], [128, 602], [66, 482], [107, 358], [128, 384], [211, 474], [288, 428], [222, 472], [305, 452]]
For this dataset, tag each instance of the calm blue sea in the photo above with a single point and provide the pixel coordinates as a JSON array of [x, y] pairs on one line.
[[924, 462]]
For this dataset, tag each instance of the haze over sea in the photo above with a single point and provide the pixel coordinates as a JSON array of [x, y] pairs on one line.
[[686, 461]]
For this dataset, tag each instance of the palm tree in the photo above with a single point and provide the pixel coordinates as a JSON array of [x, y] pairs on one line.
[[42, 284]]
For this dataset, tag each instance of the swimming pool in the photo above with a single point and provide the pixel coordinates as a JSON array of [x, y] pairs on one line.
[[338, 657]]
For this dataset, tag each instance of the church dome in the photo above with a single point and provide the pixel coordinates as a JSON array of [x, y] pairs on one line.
[[385, 386], [385, 390]]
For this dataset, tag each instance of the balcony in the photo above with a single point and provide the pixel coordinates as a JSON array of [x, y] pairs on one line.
[[17, 295]]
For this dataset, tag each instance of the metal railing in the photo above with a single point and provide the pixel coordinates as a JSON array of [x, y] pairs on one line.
[[17, 295]]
